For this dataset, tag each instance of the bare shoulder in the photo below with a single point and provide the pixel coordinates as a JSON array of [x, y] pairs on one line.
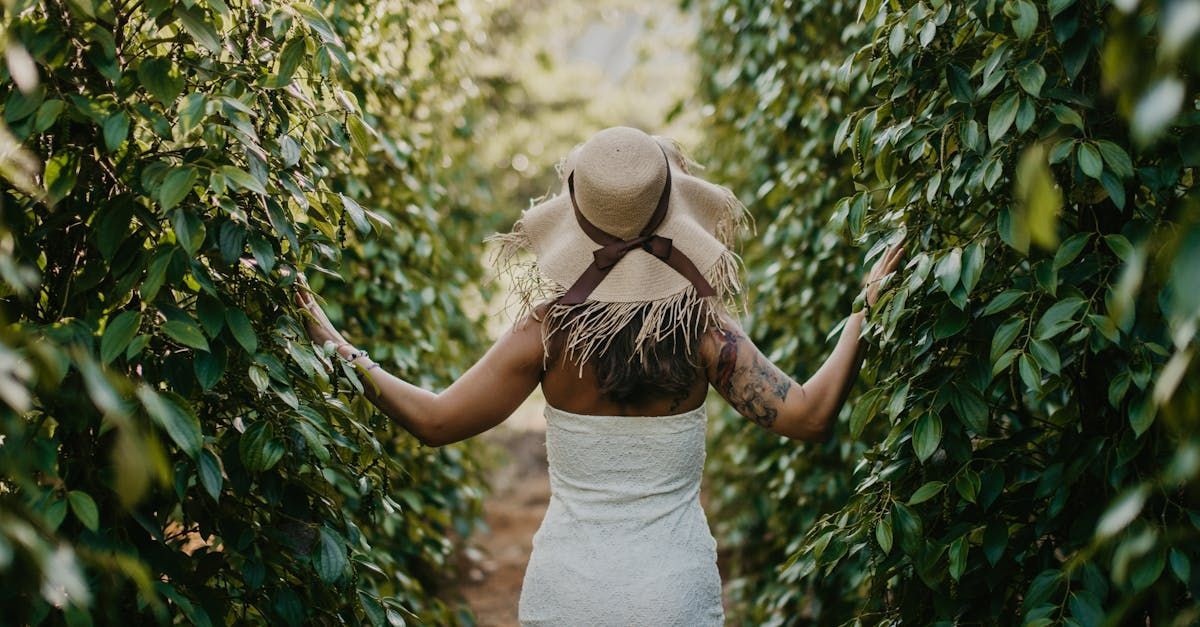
[[722, 341], [522, 343]]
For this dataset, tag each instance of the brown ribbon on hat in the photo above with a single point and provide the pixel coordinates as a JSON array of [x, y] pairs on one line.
[[613, 249]]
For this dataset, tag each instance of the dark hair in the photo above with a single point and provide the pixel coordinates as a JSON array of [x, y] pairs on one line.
[[665, 366]]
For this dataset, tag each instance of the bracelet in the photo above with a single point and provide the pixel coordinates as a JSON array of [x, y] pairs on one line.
[[353, 356]]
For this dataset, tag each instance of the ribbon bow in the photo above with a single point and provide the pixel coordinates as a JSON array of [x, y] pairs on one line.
[[613, 249], [656, 245]]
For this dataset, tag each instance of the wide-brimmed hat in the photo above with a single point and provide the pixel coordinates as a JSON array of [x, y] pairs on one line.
[[632, 234]]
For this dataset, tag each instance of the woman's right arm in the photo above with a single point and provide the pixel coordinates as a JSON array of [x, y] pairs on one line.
[[760, 391]]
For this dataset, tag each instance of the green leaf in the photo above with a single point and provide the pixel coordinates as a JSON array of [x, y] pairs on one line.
[[211, 313], [1058, 6], [231, 241], [883, 533], [155, 274], [55, 513], [995, 539], [958, 557], [970, 408], [258, 377], [200, 30], [84, 509], [927, 435], [116, 129], [967, 484], [1148, 569], [1142, 414], [47, 114], [1112, 185], [1003, 301], [209, 367], [1024, 19], [185, 333], [242, 329], [118, 333], [1046, 356], [242, 179], [1030, 373], [189, 230], [1004, 361], [864, 410], [293, 53], [1086, 610], [1117, 159], [329, 557], [949, 322], [1004, 336], [1066, 115], [1058, 318], [908, 527], [357, 215], [959, 83], [949, 269], [1089, 159], [173, 415], [926, 492], [191, 111], [259, 448], [176, 186], [1031, 76], [1181, 566], [1119, 245], [1070, 249], [263, 251], [1001, 115], [159, 77], [210, 474], [972, 265], [289, 151], [896, 39]]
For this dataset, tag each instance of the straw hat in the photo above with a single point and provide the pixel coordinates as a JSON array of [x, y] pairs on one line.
[[631, 232]]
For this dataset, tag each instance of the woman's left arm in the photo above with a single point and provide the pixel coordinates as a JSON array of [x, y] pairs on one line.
[[480, 399]]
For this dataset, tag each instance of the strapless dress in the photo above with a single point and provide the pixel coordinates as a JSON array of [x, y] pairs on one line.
[[624, 541]]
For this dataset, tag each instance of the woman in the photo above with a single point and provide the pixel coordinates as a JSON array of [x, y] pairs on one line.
[[634, 262]]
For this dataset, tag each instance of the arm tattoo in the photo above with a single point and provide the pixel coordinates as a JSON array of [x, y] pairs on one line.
[[756, 389]]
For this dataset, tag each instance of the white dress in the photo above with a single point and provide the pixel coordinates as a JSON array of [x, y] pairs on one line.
[[624, 541]]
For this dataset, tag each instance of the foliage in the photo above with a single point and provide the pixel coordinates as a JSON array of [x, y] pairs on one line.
[[170, 442], [1024, 443]]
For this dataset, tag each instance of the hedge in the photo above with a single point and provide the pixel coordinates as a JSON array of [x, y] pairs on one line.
[[171, 444], [1023, 444]]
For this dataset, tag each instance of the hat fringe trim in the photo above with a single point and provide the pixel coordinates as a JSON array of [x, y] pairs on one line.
[[588, 328], [736, 219]]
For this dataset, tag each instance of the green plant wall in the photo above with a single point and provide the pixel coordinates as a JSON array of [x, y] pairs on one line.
[[171, 444], [1022, 446]]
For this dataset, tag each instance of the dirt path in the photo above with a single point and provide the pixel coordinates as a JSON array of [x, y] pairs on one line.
[[513, 511]]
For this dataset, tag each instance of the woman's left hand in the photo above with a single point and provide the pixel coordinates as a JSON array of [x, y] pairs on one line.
[[319, 328]]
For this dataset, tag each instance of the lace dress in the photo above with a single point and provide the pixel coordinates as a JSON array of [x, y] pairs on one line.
[[624, 541]]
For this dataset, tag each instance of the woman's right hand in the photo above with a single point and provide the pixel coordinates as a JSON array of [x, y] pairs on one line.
[[884, 266]]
